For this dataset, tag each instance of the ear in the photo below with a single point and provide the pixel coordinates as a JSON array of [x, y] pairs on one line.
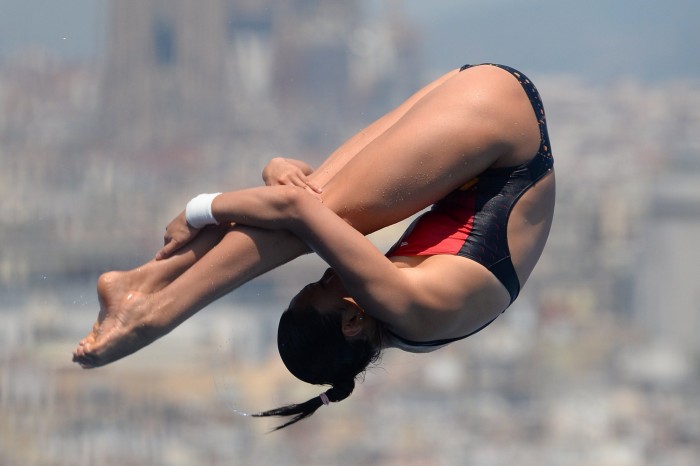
[[352, 325]]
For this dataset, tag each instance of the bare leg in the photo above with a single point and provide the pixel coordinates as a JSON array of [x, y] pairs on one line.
[[154, 275], [128, 318], [457, 140], [132, 317]]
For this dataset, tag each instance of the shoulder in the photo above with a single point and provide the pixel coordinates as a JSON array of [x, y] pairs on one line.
[[450, 297]]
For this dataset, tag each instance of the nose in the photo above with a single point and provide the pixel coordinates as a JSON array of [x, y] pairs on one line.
[[308, 287], [311, 287], [327, 277]]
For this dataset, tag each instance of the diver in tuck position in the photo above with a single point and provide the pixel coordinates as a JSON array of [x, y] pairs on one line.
[[473, 144]]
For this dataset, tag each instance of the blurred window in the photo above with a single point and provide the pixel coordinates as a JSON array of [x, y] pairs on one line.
[[164, 42]]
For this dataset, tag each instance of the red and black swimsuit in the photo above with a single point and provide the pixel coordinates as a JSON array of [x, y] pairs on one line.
[[472, 221]]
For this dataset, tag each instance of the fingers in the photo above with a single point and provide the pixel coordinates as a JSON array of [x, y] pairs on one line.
[[162, 253], [315, 194], [300, 181], [314, 187], [292, 176], [169, 248], [303, 182]]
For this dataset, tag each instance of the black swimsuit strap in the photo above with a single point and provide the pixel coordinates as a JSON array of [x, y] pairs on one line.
[[437, 342]]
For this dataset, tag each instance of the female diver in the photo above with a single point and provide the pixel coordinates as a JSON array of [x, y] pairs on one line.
[[473, 144]]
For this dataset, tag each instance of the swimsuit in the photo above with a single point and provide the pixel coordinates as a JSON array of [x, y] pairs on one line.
[[472, 220]]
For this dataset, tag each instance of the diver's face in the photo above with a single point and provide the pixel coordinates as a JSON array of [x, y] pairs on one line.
[[325, 295], [329, 295]]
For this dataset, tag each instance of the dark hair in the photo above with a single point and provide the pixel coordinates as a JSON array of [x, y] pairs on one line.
[[314, 349]]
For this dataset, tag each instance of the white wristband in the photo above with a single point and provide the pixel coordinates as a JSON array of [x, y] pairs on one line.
[[198, 211]]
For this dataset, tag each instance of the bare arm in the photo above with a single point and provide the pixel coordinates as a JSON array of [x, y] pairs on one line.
[[379, 287], [371, 278]]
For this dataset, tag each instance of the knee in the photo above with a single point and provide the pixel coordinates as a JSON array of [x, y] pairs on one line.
[[360, 216]]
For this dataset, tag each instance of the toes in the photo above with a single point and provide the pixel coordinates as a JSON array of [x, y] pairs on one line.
[[85, 362], [88, 362], [84, 357], [88, 340], [78, 353], [83, 344], [84, 349]]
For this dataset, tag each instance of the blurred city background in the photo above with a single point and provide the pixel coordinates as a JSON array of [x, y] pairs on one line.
[[114, 114]]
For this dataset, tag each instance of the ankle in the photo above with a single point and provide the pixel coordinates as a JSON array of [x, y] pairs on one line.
[[159, 313]]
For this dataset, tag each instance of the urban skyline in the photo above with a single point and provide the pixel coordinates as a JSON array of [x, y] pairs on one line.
[[596, 363], [600, 41]]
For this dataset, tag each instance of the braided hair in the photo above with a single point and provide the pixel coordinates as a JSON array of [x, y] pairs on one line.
[[314, 349]]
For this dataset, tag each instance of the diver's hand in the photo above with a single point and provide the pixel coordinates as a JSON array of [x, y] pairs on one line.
[[281, 171], [177, 234]]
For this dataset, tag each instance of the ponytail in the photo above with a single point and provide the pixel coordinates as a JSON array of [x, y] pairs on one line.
[[314, 349], [338, 392]]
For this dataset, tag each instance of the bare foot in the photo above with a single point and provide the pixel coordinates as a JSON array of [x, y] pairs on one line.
[[124, 325]]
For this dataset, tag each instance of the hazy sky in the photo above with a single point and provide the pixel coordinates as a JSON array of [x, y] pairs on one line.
[[597, 39], [652, 39], [71, 28]]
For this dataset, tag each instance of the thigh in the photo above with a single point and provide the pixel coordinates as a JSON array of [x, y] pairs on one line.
[[469, 122], [349, 149]]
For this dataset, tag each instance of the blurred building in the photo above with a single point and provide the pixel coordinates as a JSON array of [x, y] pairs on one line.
[[668, 296], [179, 70]]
